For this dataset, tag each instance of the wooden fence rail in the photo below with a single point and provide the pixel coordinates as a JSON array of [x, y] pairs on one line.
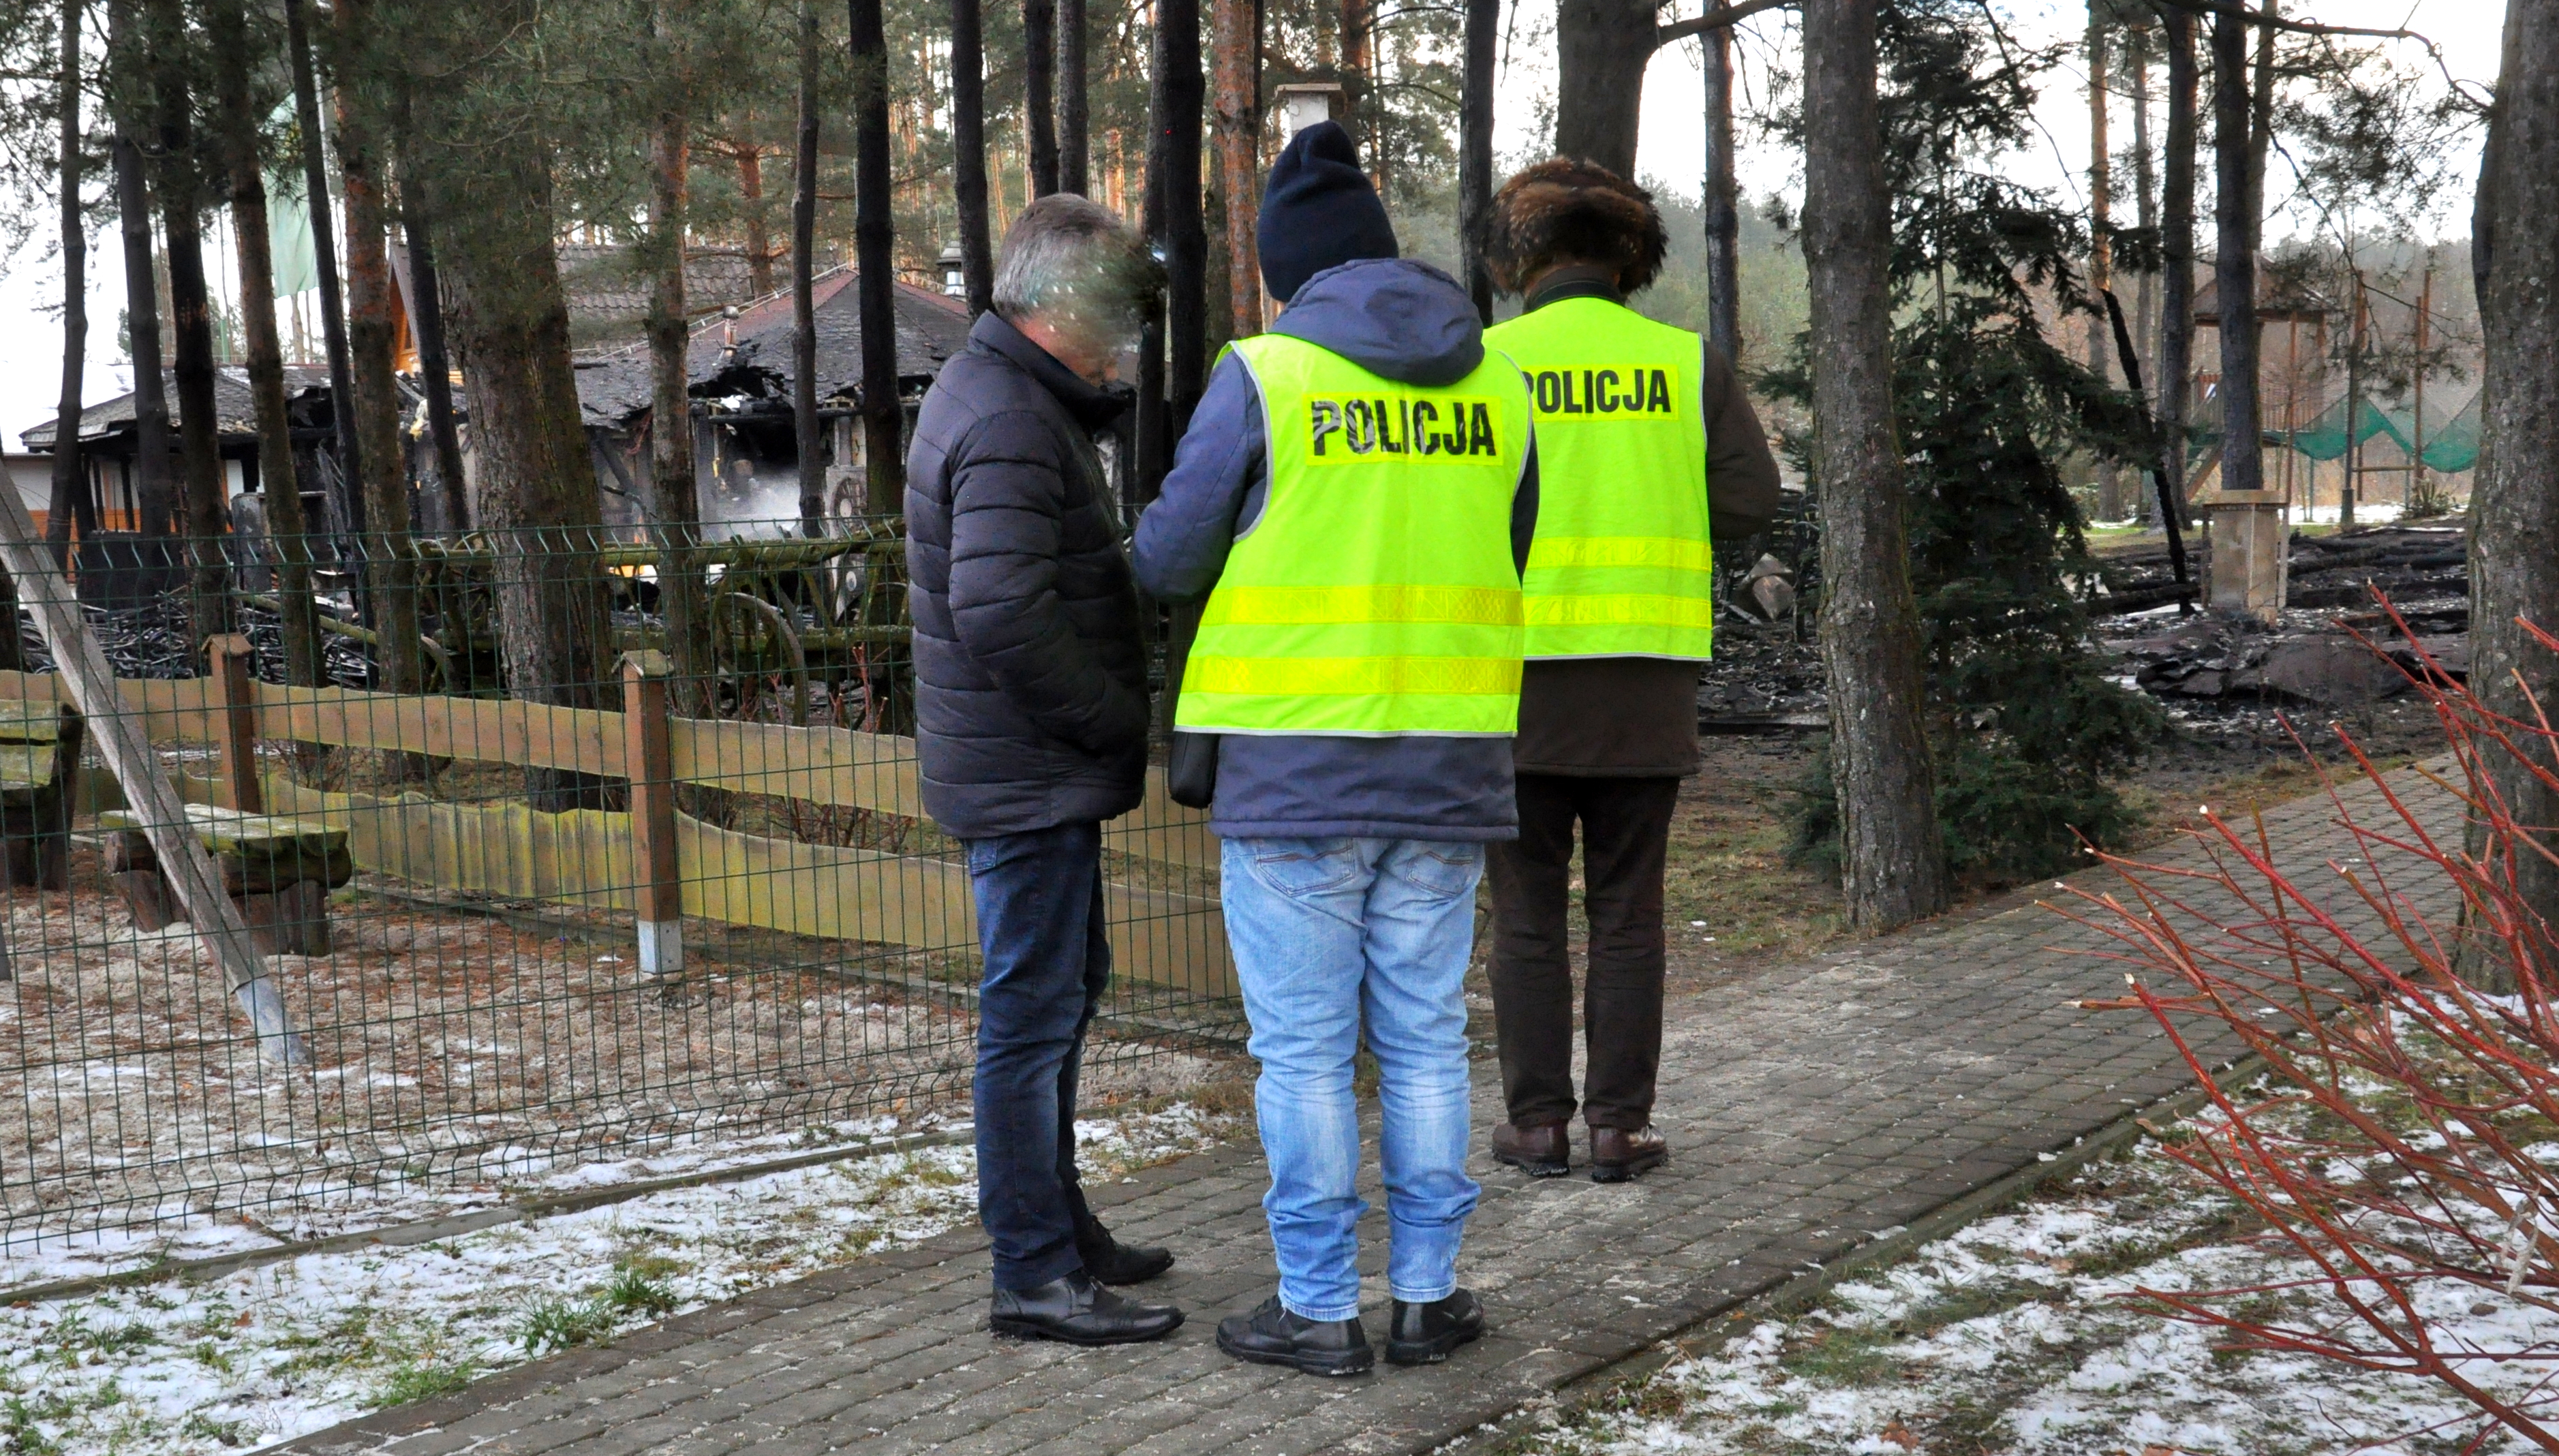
[[586, 857]]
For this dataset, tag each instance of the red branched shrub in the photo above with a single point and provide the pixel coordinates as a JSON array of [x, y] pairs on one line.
[[2402, 1149]]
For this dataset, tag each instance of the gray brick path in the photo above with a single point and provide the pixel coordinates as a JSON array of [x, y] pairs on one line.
[[1809, 1106]]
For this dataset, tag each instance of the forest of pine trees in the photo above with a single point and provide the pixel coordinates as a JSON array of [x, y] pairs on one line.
[[470, 141]]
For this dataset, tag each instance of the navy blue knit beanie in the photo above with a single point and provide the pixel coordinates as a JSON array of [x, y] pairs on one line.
[[1319, 211]]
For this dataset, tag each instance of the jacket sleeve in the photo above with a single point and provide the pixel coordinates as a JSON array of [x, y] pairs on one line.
[[1742, 491], [1524, 509], [1215, 489], [1007, 526]]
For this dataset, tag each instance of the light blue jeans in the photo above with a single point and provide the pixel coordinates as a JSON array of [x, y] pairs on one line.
[[1327, 931]]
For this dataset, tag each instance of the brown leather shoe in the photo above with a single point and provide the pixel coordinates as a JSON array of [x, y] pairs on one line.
[[1544, 1151], [1617, 1156]]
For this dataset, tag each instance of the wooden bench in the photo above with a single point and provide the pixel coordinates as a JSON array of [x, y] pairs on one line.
[[278, 870], [39, 754]]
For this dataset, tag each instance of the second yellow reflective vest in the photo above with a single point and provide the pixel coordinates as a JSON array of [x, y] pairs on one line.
[[1621, 567]]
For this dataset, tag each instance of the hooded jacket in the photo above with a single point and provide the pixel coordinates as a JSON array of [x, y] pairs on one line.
[[1411, 323], [1030, 704]]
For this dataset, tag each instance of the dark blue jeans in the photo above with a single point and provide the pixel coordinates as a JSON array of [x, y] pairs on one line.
[[1039, 921]]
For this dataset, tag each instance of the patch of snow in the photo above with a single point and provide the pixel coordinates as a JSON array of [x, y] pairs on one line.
[[2017, 1334], [282, 1350]]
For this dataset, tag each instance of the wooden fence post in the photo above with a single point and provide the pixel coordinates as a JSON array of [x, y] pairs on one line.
[[236, 693], [190, 871], [658, 895]]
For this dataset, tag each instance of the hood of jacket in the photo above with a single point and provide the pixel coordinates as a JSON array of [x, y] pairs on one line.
[[1396, 317]]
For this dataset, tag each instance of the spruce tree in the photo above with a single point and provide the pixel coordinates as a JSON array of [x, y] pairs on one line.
[[2027, 731]]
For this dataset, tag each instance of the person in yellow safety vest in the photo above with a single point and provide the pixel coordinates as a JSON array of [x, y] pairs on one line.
[[1649, 453], [1353, 501]]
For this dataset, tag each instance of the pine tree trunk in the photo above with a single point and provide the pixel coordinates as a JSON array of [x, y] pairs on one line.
[[2101, 246], [154, 487], [2145, 214], [1238, 125], [1602, 48], [1074, 107], [1475, 147], [70, 483], [883, 419], [2176, 252], [804, 431], [1039, 92], [391, 570], [2514, 504], [1073, 101], [1155, 437], [968, 153], [1179, 93], [347, 500], [2261, 116], [2235, 211], [759, 236], [674, 501], [434, 361], [204, 500], [1357, 27], [1722, 202], [535, 490], [226, 29], [1892, 859]]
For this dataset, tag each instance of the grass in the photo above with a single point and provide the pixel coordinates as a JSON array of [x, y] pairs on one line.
[[224, 1432], [20, 1435], [416, 1379], [635, 1294], [1728, 859]]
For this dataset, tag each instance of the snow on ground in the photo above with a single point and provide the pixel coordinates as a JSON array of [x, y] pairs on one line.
[[289, 1348], [40, 1256], [2012, 1336]]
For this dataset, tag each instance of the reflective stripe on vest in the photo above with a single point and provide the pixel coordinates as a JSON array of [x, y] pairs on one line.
[[1376, 594], [1621, 567]]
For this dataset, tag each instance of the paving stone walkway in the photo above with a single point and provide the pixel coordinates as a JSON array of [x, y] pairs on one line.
[[1810, 1108]]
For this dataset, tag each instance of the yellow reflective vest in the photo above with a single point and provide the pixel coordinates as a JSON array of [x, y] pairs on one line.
[[1376, 594], [1623, 566]]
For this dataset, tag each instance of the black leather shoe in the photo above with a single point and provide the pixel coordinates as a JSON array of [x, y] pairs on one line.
[[1426, 1334], [1079, 1311], [1271, 1335], [1110, 1261], [1542, 1151]]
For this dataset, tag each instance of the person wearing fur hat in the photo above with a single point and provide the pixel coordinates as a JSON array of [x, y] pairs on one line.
[[1353, 501], [1650, 453]]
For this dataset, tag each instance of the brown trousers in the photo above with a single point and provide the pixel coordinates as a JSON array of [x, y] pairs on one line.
[[1626, 832]]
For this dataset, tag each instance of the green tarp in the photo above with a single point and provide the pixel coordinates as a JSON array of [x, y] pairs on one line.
[[2451, 443], [2325, 437]]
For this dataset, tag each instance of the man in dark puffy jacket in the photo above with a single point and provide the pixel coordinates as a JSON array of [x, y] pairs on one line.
[[1031, 723]]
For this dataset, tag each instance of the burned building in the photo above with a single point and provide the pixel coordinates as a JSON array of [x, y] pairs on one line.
[[739, 362]]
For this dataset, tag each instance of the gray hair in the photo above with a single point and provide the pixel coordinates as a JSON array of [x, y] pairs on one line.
[[1074, 262]]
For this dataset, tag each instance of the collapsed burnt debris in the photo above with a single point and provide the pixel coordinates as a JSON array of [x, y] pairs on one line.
[[2218, 675], [2408, 562], [2310, 657], [1766, 677]]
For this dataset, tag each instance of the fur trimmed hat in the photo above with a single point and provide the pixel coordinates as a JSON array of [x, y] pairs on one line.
[[1572, 211]]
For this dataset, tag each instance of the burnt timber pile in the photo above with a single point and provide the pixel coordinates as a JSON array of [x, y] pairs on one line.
[[2215, 675], [2312, 658]]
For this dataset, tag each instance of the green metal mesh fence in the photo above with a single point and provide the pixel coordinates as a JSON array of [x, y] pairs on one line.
[[560, 847]]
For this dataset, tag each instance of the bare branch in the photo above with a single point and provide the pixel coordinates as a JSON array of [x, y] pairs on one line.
[[2239, 11], [1716, 18]]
